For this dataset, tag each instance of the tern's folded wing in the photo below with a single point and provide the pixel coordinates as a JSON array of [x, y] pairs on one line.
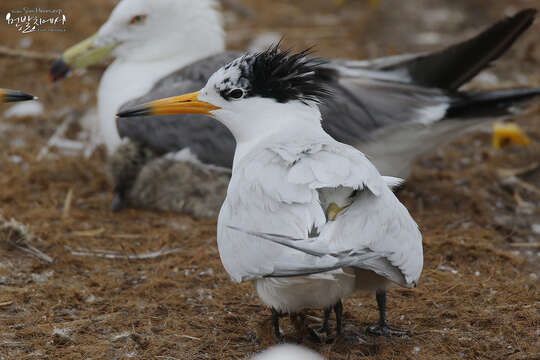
[[374, 233], [281, 186]]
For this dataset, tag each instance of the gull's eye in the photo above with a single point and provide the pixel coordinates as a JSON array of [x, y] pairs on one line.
[[236, 93], [137, 19]]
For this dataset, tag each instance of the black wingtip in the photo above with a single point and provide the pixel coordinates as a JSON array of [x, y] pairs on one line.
[[527, 13], [59, 70], [491, 103], [141, 110], [15, 95], [453, 66]]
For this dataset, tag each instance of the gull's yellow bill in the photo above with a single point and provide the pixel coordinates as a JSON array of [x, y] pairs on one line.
[[183, 104], [79, 56]]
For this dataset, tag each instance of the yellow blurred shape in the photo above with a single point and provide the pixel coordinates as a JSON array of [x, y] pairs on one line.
[[505, 134]]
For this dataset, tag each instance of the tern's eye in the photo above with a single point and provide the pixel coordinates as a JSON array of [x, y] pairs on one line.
[[236, 93], [137, 19]]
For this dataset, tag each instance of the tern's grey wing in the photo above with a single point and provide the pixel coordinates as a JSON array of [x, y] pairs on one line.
[[210, 141]]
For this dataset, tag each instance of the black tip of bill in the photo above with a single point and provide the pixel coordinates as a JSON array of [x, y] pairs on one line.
[[141, 110], [15, 95], [59, 70]]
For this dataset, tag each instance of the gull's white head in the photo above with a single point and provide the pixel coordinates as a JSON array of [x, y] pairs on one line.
[[256, 95], [142, 30]]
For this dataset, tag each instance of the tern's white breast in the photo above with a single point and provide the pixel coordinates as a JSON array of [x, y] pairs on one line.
[[294, 294]]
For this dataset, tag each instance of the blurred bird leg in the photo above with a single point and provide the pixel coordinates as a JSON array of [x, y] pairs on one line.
[[505, 134]]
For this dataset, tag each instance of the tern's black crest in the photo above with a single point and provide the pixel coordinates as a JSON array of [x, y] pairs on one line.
[[283, 75]]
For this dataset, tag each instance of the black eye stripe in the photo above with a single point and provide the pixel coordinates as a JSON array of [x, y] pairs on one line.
[[236, 93]]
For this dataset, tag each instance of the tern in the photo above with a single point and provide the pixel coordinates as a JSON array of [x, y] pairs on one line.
[[7, 95], [291, 178]]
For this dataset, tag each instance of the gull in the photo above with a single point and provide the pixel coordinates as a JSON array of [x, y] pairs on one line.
[[148, 40], [290, 177], [7, 95], [393, 109]]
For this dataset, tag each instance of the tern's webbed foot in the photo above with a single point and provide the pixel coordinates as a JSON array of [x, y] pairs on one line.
[[385, 330], [382, 328]]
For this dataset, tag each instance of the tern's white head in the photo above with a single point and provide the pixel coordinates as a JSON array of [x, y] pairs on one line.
[[256, 95], [142, 30]]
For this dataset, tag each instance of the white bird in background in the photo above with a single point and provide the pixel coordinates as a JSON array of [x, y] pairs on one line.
[[289, 177], [288, 352], [393, 109], [148, 40], [7, 95]]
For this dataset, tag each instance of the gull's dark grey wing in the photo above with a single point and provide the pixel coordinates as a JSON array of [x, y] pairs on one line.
[[421, 88], [396, 108], [210, 141], [452, 66], [361, 106]]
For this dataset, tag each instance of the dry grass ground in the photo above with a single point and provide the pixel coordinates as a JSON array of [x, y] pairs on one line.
[[479, 294]]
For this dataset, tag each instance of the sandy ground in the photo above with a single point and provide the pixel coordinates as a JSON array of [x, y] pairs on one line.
[[99, 299]]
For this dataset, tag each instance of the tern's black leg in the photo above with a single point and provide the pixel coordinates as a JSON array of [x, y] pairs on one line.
[[324, 328], [338, 309], [275, 322], [382, 328]]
